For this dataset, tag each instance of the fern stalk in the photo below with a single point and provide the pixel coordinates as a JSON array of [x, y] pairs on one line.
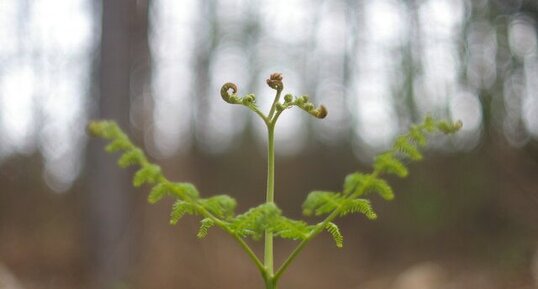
[[270, 194]]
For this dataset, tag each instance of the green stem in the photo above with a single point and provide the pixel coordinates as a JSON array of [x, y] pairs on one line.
[[270, 196], [241, 242], [259, 113], [273, 106], [251, 254], [270, 283]]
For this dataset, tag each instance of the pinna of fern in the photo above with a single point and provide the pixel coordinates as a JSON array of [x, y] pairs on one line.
[[356, 185]]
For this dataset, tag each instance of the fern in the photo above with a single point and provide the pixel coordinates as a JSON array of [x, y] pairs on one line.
[[267, 219]]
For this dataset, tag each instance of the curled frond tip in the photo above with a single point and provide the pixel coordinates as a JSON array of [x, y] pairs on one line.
[[224, 91], [275, 81], [320, 112]]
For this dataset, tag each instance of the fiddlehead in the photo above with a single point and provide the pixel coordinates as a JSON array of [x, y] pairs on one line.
[[224, 93]]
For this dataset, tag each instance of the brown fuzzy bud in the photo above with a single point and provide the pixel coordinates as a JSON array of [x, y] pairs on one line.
[[275, 81], [224, 91]]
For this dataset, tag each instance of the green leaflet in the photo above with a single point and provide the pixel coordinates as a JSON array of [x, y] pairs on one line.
[[333, 229], [403, 145], [131, 157], [179, 209], [353, 183], [381, 187], [118, 145], [388, 163], [449, 127], [357, 184], [205, 224], [183, 190], [416, 133], [255, 221], [147, 174], [361, 206], [321, 203], [157, 193], [290, 229], [222, 206]]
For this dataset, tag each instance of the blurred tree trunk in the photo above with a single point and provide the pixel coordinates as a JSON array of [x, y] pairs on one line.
[[206, 43], [123, 55]]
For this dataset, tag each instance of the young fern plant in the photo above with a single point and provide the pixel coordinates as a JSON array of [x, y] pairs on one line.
[[266, 220]]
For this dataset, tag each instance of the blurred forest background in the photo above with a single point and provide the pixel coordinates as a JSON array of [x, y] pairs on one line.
[[467, 217]]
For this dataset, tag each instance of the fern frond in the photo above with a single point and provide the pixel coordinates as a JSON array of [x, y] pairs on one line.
[[362, 206], [205, 224], [320, 203], [222, 206], [180, 209], [188, 201], [333, 229]]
